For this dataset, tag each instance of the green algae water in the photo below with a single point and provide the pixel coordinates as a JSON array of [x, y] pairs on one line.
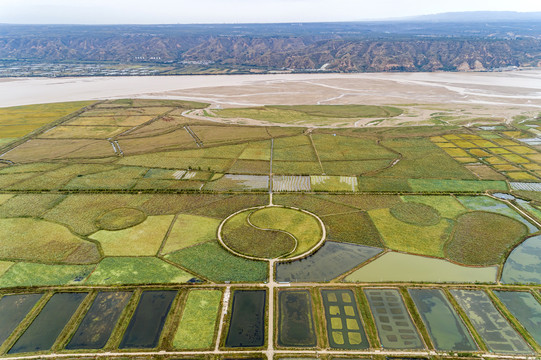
[[444, 326]]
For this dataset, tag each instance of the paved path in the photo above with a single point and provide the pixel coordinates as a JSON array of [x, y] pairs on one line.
[[227, 296]]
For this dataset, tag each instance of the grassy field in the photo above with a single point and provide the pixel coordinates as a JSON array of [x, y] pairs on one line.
[[217, 264], [190, 230], [136, 270], [28, 205], [416, 214], [310, 114], [122, 218], [165, 195], [398, 235], [446, 206], [80, 212], [143, 239], [314, 204], [30, 274], [20, 120], [27, 239], [332, 147], [423, 159], [493, 233], [222, 208], [83, 132], [353, 227], [198, 321], [433, 185], [121, 178]]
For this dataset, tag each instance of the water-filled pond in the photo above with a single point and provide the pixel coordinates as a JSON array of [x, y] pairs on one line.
[[247, 325], [100, 320], [42, 333], [295, 322], [147, 322], [395, 327], [497, 333], [525, 308], [13, 309], [330, 261], [523, 266], [446, 329]]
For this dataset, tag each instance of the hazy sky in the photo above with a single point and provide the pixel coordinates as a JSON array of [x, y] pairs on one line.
[[235, 11]]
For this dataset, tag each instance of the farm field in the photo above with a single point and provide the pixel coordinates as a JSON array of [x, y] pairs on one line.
[[321, 115], [196, 327], [234, 240]]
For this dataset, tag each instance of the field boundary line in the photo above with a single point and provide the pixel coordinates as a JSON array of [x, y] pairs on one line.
[[194, 136], [166, 236], [315, 151], [137, 127]]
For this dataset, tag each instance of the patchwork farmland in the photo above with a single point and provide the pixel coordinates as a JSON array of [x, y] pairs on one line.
[[130, 229]]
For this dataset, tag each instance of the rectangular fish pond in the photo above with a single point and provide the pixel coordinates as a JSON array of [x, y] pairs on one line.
[[525, 308], [44, 330], [296, 322], [445, 327], [344, 327], [395, 328], [147, 322], [247, 324], [100, 320], [13, 310], [495, 330]]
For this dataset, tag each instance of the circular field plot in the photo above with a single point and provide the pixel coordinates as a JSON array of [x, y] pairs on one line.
[[121, 218], [416, 214], [271, 232]]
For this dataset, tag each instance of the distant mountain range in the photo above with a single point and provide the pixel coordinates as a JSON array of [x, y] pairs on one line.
[[478, 41], [478, 16]]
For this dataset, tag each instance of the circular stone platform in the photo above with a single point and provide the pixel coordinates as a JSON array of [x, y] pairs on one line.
[[272, 232]]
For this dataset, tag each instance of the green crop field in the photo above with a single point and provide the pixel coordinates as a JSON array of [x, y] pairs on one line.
[[196, 327], [143, 239], [493, 233], [310, 114], [215, 263], [190, 230], [27, 239], [136, 270], [213, 219], [20, 120]]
